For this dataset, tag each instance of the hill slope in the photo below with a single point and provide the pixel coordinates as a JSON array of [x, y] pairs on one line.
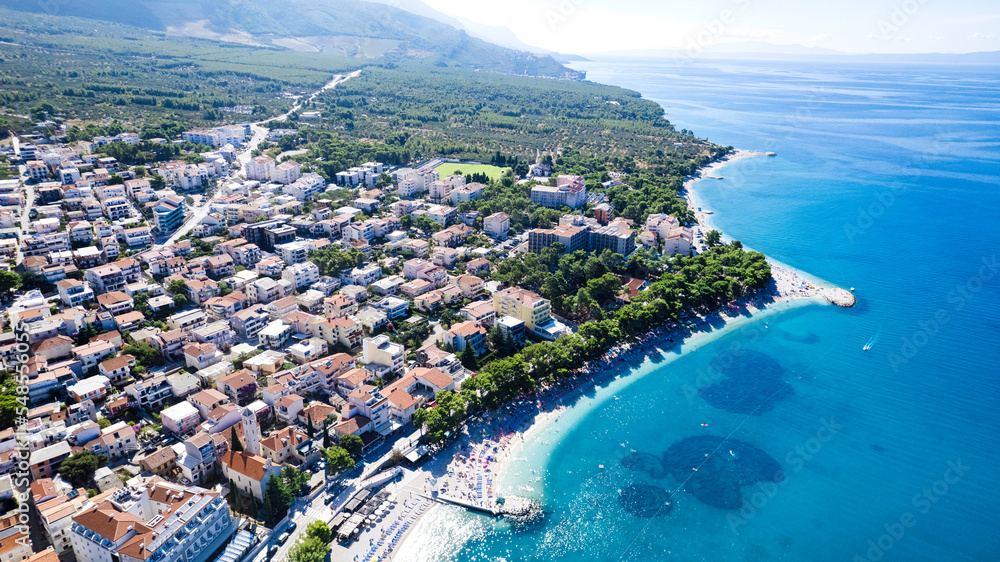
[[352, 28]]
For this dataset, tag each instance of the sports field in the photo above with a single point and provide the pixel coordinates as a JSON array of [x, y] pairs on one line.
[[448, 168]]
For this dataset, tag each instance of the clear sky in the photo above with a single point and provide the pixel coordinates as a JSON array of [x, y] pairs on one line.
[[855, 26]]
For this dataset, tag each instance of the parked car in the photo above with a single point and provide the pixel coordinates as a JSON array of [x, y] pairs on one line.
[[329, 499], [284, 537], [292, 526], [272, 550]]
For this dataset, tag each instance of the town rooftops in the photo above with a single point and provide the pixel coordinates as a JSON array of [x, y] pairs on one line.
[[245, 463], [116, 363], [239, 379]]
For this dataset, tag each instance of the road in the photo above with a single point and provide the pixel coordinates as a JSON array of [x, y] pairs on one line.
[[259, 133], [29, 198], [303, 513]]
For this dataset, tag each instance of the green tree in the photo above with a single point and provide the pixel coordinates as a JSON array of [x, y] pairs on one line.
[[326, 430], [296, 480], [104, 423], [9, 281], [176, 287], [338, 460], [234, 495], [468, 358], [713, 238], [320, 530], [309, 549], [42, 111], [144, 353], [79, 469], [352, 444], [236, 444], [277, 498]]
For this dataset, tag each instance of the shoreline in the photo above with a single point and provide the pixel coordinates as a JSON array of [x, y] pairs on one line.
[[506, 438], [788, 281], [618, 365]]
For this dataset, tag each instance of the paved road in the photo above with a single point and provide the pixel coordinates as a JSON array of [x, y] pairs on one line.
[[258, 134], [29, 200]]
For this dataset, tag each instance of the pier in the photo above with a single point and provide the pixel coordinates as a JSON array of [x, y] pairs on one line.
[[468, 505], [512, 506]]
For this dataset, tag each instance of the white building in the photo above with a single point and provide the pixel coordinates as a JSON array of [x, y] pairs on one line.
[[381, 354], [497, 225], [301, 274], [286, 172], [181, 417], [154, 522], [260, 168]]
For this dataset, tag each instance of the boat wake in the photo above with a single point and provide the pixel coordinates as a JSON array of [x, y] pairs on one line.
[[871, 342]]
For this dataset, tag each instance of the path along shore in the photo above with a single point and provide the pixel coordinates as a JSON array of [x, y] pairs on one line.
[[472, 467]]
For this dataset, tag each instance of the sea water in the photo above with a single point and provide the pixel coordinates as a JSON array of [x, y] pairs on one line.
[[886, 179]]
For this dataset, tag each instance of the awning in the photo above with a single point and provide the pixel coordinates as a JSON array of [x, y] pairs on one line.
[[417, 454]]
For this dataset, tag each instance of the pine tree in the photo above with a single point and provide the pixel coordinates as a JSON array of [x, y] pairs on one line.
[[237, 445], [234, 503], [468, 357]]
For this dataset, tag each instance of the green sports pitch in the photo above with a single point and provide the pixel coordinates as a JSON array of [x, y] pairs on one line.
[[449, 168]]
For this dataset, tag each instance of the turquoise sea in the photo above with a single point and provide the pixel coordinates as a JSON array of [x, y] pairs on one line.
[[887, 179]]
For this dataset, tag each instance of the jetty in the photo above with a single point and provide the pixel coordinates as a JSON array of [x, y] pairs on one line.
[[460, 502], [512, 506]]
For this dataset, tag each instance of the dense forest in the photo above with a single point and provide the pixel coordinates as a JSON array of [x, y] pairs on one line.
[[481, 113]]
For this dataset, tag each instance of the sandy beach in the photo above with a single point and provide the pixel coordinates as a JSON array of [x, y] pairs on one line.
[[497, 438], [789, 283], [472, 468]]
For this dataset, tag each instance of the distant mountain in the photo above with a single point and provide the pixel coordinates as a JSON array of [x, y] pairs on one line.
[[354, 28], [496, 34], [724, 50]]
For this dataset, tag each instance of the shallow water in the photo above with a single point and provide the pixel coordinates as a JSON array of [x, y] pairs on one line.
[[886, 180]]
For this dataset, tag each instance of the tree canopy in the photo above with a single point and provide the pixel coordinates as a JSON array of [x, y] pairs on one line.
[[352, 444], [79, 468], [338, 460]]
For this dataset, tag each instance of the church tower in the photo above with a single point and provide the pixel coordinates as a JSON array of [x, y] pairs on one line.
[[251, 432]]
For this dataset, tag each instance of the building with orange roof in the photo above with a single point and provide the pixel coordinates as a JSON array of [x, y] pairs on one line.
[[155, 522], [249, 472], [289, 445], [315, 414], [466, 334], [56, 516]]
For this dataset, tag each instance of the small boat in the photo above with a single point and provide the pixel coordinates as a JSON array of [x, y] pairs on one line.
[[871, 343]]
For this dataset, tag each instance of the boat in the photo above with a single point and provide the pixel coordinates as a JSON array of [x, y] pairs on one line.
[[871, 342]]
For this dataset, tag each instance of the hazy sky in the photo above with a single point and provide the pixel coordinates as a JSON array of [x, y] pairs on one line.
[[857, 26]]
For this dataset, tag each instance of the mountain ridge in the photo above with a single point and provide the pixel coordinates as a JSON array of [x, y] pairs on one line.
[[352, 28]]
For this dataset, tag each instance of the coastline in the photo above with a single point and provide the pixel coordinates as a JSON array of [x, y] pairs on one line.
[[788, 282], [791, 289], [606, 377]]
